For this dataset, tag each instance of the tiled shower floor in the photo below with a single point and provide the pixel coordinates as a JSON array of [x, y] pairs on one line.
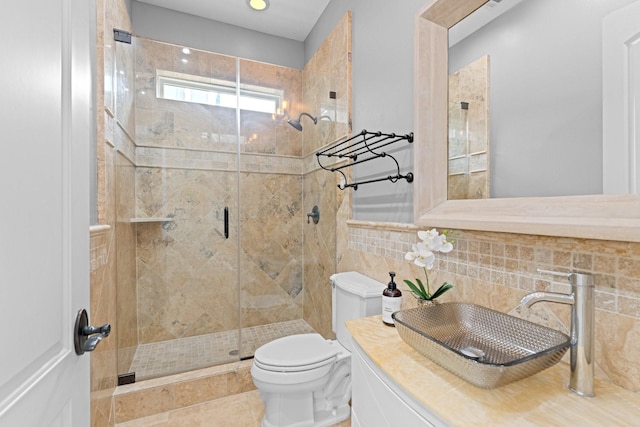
[[185, 354]]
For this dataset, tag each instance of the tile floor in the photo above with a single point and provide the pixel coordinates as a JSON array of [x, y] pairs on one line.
[[185, 354], [238, 410]]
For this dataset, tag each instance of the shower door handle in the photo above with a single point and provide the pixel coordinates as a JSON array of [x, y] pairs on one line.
[[226, 222]]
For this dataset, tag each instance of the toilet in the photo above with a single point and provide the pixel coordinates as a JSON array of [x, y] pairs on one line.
[[304, 380]]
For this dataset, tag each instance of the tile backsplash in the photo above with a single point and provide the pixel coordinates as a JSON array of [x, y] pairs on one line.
[[512, 260]]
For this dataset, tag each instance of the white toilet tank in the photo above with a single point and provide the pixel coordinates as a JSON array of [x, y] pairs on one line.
[[353, 295]]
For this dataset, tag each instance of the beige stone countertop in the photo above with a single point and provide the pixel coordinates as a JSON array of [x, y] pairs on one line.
[[540, 400]]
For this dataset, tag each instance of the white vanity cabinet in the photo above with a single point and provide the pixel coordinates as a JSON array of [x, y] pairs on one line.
[[377, 401]]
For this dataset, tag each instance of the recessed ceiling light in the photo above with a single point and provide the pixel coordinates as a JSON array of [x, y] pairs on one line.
[[258, 4]]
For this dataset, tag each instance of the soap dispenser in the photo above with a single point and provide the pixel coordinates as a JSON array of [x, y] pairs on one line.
[[391, 301]]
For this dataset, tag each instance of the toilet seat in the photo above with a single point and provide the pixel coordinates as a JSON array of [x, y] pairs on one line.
[[296, 353]]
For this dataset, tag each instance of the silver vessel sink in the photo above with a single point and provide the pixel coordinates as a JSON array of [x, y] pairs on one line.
[[482, 346]]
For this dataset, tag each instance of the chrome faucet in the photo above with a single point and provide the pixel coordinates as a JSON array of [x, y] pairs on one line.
[[582, 304]]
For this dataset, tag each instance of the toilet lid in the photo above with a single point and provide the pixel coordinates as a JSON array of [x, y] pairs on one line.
[[295, 353]]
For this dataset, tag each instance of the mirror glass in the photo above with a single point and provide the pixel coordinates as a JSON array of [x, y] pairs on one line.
[[545, 93]]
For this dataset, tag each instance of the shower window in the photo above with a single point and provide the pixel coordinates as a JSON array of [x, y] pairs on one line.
[[189, 88]]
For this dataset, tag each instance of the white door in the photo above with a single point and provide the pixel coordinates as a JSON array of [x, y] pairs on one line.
[[621, 100], [46, 130]]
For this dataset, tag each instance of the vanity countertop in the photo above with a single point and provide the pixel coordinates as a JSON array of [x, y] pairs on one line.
[[542, 399]]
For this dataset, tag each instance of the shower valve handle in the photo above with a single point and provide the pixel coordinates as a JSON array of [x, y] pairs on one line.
[[315, 215]]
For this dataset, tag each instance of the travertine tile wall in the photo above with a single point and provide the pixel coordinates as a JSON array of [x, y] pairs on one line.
[[497, 269], [319, 249], [328, 70]]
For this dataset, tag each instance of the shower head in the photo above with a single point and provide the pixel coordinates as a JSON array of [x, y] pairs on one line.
[[296, 123]]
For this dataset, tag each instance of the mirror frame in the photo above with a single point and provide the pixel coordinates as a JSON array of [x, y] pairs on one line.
[[606, 217]]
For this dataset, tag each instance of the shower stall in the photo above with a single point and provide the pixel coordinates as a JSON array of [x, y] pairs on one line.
[[211, 206], [468, 119]]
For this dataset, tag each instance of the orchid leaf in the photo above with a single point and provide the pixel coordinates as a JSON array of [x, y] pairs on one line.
[[424, 291], [414, 289], [441, 290]]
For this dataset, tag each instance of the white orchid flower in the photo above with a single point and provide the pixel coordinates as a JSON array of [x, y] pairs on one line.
[[445, 246], [435, 241], [421, 256], [429, 234]]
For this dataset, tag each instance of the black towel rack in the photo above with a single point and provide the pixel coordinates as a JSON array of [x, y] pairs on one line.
[[364, 144]]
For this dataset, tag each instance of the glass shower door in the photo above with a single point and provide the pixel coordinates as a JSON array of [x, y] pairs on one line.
[[186, 209], [271, 210]]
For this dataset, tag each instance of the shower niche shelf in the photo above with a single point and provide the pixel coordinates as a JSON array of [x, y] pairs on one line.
[[144, 220], [362, 148]]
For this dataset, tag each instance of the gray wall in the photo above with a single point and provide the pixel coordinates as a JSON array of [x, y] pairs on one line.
[[545, 96], [382, 60], [188, 30]]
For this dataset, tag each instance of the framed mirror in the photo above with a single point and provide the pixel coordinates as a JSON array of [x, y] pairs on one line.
[[592, 216]]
